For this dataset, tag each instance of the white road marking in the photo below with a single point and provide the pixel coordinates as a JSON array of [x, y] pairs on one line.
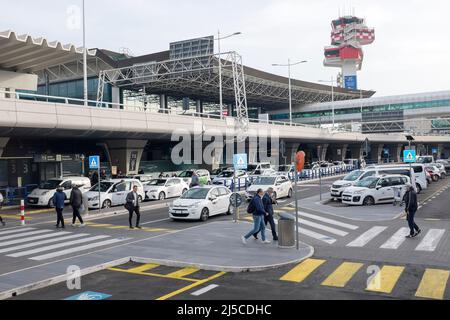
[[22, 234], [330, 221], [153, 221], [21, 240], [364, 238], [38, 243], [203, 290], [314, 234], [396, 240], [55, 246], [431, 240], [323, 227], [76, 249], [15, 230]]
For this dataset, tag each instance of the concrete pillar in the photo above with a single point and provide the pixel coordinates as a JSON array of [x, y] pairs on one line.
[[291, 149], [356, 151], [322, 151], [252, 154], [115, 97], [163, 101], [199, 106], [338, 151], [126, 154], [375, 152], [440, 150], [397, 152], [230, 110], [3, 143]]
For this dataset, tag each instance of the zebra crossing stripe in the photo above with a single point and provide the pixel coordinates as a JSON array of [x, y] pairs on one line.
[[38, 243], [23, 233], [433, 284], [76, 249], [323, 227], [15, 230], [21, 240], [55, 246], [329, 221], [385, 279], [431, 240], [396, 240], [367, 236], [314, 235], [342, 274]]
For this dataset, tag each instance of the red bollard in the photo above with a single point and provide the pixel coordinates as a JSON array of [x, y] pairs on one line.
[[22, 212]]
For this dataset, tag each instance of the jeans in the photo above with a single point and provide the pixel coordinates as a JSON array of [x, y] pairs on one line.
[[59, 216], [269, 219], [76, 214], [412, 225], [258, 226], [130, 216]]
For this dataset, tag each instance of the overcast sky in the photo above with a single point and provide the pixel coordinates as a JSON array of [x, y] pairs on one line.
[[411, 52]]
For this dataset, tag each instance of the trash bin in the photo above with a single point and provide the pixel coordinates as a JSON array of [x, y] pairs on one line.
[[286, 230]]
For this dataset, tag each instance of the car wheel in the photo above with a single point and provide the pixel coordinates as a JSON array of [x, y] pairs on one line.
[[50, 203], [289, 193], [184, 190], [435, 177], [229, 210], [161, 196], [204, 215], [368, 201], [106, 204], [419, 188]]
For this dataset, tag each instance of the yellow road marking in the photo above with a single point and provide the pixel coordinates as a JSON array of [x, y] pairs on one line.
[[119, 227], [152, 274], [193, 285], [183, 272], [155, 229], [342, 274], [302, 270], [385, 279], [100, 225], [15, 216], [145, 267], [433, 284], [288, 208]]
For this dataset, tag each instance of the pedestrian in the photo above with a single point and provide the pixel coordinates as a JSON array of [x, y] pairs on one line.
[[132, 205], [58, 201], [1, 205], [76, 200], [256, 207], [194, 180], [103, 174], [94, 178], [268, 202], [411, 208], [161, 175]]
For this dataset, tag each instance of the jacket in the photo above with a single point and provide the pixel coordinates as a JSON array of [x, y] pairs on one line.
[[194, 181], [76, 198], [411, 201], [268, 203], [130, 201], [58, 199], [257, 203]]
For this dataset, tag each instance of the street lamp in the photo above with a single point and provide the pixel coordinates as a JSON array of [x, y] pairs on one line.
[[289, 64], [332, 81]]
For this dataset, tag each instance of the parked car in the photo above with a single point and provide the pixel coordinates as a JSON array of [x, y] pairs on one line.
[[441, 169], [162, 188], [419, 173], [227, 178], [282, 186], [373, 190], [43, 195], [113, 192], [214, 173], [144, 177], [434, 172], [287, 169], [446, 163], [424, 159], [200, 203], [428, 176], [203, 176], [258, 168]]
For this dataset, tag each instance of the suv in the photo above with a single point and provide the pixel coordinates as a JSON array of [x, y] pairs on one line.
[[43, 195], [203, 176]]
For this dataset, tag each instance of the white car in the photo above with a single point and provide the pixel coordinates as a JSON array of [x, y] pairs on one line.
[[43, 196], [441, 169], [227, 178], [162, 188], [200, 203], [202, 174], [435, 172], [113, 192], [375, 189], [282, 186], [340, 185]]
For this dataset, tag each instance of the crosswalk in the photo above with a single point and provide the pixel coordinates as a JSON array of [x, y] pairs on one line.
[[432, 285], [43, 244]]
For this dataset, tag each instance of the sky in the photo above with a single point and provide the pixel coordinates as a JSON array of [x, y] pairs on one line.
[[410, 53]]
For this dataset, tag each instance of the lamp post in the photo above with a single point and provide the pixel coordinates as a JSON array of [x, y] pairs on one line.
[[85, 86], [332, 81], [289, 64]]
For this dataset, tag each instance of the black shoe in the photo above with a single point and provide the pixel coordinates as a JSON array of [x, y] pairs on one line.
[[417, 233], [131, 227], [63, 227], [275, 239], [57, 226], [410, 236], [138, 227]]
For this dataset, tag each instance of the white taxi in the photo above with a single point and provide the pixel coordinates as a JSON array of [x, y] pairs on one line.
[[282, 186], [160, 189]]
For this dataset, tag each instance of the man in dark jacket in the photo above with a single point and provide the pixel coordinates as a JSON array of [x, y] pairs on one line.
[[411, 208], [132, 205], [194, 180], [58, 201], [1, 205], [76, 200], [268, 203], [258, 218]]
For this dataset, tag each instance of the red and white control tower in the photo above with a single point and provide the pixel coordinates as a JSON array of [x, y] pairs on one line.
[[348, 35]]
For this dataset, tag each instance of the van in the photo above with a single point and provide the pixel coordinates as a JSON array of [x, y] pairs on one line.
[[43, 195], [419, 173], [425, 159], [113, 192]]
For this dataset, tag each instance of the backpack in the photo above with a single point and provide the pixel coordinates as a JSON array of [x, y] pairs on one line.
[[251, 207]]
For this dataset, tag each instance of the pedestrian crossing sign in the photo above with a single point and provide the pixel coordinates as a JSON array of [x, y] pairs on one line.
[[94, 162], [240, 161], [409, 156]]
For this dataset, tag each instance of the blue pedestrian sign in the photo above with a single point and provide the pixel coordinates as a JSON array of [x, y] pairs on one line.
[[409, 156], [94, 162], [240, 161], [89, 295]]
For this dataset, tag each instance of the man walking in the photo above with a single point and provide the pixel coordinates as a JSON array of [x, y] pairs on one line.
[[268, 202], [194, 180], [76, 200], [256, 207], [411, 208], [1, 205], [132, 205], [58, 202]]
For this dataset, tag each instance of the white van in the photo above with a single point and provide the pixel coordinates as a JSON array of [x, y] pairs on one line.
[[113, 192], [43, 196], [419, 173]]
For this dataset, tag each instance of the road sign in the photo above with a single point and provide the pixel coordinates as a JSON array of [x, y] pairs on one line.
[[94, 162], [409, 156], [89, 295], [236, 200], [240, 161]]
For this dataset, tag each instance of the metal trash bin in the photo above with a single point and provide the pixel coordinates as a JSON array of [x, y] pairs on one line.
[[286, 230]]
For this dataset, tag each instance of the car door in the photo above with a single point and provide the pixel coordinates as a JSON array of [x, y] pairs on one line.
[[119, 193], [385, 193], [171, 189], [214, 204], [224, 199], [67, 186]]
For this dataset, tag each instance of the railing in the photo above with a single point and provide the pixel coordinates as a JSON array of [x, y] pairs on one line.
[[13, 195]]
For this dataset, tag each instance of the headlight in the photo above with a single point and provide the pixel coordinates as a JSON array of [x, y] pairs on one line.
[[44, 193], [194, 205], [358, 192], [346, 185], [94, 198]]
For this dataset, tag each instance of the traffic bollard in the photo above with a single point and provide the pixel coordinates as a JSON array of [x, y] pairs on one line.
[[22, 212]]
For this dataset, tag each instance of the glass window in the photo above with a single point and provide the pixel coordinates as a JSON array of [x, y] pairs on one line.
[[195, 193], [122, 186], [215, 192], [223, 191]]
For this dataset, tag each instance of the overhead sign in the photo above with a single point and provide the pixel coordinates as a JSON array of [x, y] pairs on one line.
[[350, 82], [94, 162], [89, 295], [236, 200], [409, 156], [240, 161]]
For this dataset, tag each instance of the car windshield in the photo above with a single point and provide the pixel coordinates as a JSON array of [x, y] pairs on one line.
[[157, 182], [195, 193], [424, 159], [251, 167], [104, 186], [50, 184], [265, 181], [216, 171], [347, 161], [369, 182], [186, 174], [352, 176], [226, 174]]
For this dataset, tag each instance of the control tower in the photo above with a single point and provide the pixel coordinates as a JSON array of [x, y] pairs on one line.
[[348, 35]]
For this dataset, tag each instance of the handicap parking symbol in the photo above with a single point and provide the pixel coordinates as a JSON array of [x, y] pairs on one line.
[[89, 295]]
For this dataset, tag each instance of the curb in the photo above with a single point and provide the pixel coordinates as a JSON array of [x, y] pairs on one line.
[[94, 216]]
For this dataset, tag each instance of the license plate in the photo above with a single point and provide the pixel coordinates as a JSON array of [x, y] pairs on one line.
[[347, 198], [32, 200]]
